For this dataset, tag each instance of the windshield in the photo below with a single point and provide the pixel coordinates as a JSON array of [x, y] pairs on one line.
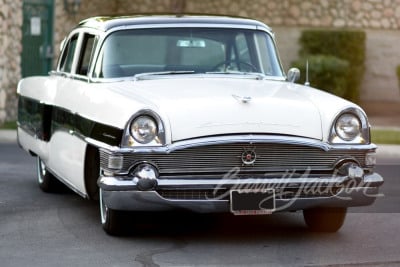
[[187, 50]]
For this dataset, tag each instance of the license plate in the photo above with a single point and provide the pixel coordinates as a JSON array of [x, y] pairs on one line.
[[250, 202]]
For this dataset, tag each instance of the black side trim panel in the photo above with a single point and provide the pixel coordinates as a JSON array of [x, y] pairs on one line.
[[34, 118], [43, 121]]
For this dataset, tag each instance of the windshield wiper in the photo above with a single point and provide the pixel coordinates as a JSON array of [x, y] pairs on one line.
[[173, 72], [258, 75]]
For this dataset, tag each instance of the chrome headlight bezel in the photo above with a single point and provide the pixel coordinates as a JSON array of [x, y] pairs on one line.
[[148, 121], [350, 127]]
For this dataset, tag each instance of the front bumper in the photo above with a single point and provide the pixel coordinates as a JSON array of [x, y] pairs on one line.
[[198, 194], [323, 175]]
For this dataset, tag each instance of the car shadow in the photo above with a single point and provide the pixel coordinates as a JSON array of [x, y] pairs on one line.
[[186, 224]]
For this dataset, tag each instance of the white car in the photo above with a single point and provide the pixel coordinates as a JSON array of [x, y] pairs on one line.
[[152, 113]]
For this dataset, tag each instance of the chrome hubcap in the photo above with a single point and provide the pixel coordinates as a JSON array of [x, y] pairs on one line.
[[41, 168]]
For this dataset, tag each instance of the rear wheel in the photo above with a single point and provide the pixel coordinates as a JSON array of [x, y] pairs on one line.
[[325, 219], [110, 219], [47, 182]]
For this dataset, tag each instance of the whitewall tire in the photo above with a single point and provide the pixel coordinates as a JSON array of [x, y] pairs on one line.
[[46, 181], [110, 219]]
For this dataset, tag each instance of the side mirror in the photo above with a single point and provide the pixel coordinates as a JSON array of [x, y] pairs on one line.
[[293, 75]]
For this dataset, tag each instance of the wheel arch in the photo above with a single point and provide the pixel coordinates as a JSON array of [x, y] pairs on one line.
[[92, 171]]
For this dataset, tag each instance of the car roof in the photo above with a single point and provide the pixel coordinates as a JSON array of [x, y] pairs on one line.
[[106, 23]]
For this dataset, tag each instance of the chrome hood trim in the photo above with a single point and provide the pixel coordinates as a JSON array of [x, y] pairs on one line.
[[249, 138]]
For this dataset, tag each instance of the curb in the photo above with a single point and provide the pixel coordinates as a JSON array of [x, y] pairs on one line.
[[393, 151], [8, 136], [389, 128]]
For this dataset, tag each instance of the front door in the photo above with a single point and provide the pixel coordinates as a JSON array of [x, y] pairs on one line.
[[37, 37]]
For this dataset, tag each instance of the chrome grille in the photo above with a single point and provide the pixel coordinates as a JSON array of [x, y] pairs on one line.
[[222, 158], [192, 194], [224, 194]]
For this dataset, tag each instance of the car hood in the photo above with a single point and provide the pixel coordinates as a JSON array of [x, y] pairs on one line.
[[195, 107]]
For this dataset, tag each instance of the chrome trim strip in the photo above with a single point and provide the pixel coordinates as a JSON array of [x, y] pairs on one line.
[[194, 76], [68, 184], [189, 25], [111, 182], [152, 201], [248, 138], [100, 144], [116, 184]]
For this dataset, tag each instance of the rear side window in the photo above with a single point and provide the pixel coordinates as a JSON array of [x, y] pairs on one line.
[[68, 55], [86, 54]]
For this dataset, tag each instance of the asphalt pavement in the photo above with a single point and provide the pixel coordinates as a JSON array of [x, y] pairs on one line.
[[63, 229]]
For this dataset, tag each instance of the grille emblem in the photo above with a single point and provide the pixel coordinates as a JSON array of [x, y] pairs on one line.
[[249, 157]]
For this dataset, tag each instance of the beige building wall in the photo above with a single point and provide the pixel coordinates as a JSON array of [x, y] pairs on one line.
[[380, 82], [379, 18]]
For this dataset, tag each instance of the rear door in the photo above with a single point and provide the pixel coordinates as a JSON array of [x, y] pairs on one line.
[[67, 145]]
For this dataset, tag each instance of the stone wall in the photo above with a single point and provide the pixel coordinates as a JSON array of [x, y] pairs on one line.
[[380, 19], [367, 14], [10, 50], [64, 21]]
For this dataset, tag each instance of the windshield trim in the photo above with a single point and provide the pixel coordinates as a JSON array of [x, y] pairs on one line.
[[190, 25], [266, 30]]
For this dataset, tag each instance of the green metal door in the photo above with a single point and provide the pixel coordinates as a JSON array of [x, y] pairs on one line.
[[37, 39]]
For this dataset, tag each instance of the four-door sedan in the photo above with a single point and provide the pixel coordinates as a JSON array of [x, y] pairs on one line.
[[152, 113]]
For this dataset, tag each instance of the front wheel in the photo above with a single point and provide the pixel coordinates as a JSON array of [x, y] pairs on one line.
[[325, 219], [110, 219], [47, 182]]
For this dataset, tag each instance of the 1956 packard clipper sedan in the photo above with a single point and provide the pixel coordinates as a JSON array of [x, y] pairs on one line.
[[152, 113]]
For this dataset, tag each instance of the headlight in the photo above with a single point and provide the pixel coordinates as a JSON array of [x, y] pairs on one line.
[[348, 127], [144, 129]]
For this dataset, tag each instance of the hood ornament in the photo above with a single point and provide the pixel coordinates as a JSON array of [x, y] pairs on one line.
[[242, 99]]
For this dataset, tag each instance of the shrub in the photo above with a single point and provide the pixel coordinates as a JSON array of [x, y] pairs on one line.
[[326, 72], [348, 45]]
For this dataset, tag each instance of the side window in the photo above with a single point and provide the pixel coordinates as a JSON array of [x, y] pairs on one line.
[[68, 55], [86, 54]]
